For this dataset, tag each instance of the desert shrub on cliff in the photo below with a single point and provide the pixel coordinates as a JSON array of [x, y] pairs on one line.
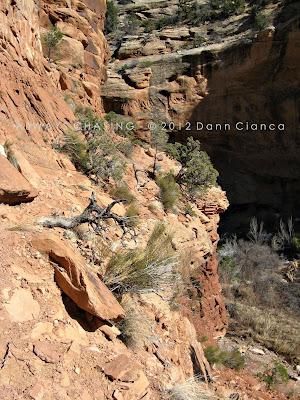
[[197, 173], [189, 210], [77, 149], [112, 17], [225, 8], [231, 359], [92, 150], [150, 269], [131, 24], [158, 140], [169, 190], [52, 39], [149, 25], [122, 192], [89, 121], [123, 126], [274, 376], [132, 215], [261, 21], [105, 162]]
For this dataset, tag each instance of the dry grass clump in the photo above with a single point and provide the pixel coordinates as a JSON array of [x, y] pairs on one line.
[[136, 327], [261, 287], [191, 389], [169, 191], [21, 228], [274, 329], [122, 192], [132, 215], [154, 268]]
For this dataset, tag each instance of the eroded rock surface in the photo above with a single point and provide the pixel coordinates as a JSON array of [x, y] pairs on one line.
[[221, 72]]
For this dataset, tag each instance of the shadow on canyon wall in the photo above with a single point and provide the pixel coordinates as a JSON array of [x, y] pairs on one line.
[[259, 83]]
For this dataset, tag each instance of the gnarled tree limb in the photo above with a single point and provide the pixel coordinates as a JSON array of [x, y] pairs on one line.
[[93, 215]]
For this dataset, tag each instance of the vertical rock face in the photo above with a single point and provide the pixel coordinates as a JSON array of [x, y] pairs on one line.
[[83, 52], [258, 83], [34, 92], [233, 74], [205, 308], [49, 347], [30, 100]]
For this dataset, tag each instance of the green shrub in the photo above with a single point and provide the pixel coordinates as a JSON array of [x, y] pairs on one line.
[[190, 211], [131, 24], [145, 64], [227, 269], [169, 191], [126, 147], [167, 20], [90, 122], [234, 360], [198, 40], [105, 162], [122, 192], [123, 126], [296, 243], [77, 150], [149, 25], [96, 154], [150, 269], [261, 21], [112, 17], [159, 139], [231, 359], [227, 7], [278, 374], [215, 355], [121, 70], [197, 172], [52, 39]]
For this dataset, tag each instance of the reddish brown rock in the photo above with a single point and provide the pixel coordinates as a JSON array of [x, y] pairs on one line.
[[14, 188], [48, 352], [124, 369], [76, 281]]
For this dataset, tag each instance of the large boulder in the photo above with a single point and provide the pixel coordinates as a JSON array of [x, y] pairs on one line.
[[14, 188], [76, 281]]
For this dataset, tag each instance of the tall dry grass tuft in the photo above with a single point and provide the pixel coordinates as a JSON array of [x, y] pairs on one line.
[[154, 268], [191, 389], [136, 328]]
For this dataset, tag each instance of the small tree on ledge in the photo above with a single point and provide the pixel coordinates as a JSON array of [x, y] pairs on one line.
[[52, 39]]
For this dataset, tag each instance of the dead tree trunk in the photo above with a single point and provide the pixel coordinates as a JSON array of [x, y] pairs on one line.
[[94, 215]]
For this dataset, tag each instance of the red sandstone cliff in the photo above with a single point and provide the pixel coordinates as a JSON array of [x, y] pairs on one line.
[[49, 346]]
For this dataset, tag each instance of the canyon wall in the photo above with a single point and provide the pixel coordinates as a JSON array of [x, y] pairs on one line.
[[234, 74], [256, 83], [59, 337]]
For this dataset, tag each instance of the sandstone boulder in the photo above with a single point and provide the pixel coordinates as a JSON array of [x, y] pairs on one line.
[[14, 188], [139, 77], [134, 381], [70, 52], [76, 281]]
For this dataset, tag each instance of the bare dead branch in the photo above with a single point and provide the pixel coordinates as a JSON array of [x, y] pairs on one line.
[[94, 215]]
